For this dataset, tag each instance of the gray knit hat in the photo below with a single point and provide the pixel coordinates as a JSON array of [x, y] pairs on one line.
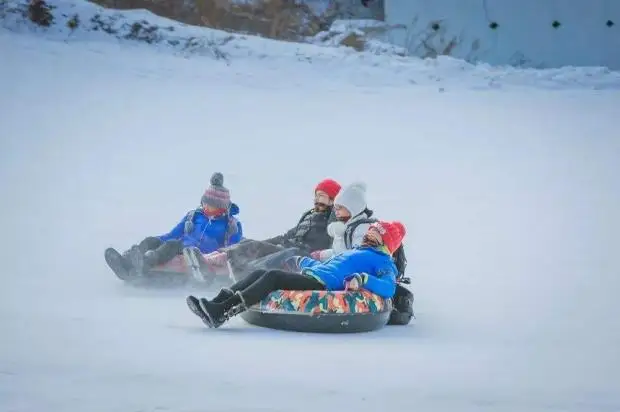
[[217, 195]]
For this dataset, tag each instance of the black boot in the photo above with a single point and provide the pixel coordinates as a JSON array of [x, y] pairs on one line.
[[120, 264], [194, 305], [219, 313], [145, 261]]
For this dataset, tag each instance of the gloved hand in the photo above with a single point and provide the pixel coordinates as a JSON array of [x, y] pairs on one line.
[[355, 281], [316, 255], [291, 264]]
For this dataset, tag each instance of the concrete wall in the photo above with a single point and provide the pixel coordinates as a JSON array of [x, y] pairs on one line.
[[588, 33]]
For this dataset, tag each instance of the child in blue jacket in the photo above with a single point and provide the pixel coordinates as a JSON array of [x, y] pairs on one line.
[[369, 266], [208, 228]]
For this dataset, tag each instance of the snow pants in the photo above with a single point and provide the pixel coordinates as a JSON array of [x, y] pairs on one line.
[[162, 252], [260, 283], [250, 255]]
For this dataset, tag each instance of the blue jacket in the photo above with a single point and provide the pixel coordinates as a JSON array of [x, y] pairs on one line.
[[208, 234], [376, 263]]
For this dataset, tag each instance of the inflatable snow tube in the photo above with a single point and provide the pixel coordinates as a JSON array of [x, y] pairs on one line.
[[320, 311], [173, 273]]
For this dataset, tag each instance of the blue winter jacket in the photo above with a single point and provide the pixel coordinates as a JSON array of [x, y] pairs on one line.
[[207, 234], [375, 262]]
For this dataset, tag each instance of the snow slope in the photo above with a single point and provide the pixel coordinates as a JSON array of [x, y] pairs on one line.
[[509, 192], [338, 64], [527, 33]]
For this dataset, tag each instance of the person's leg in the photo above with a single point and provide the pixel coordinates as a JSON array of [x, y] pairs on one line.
[[133, 259], [270, 281], [226, 293], [134, 256], [149, 243], [162, 254], [240, 257], [276, 280], [120, 264]]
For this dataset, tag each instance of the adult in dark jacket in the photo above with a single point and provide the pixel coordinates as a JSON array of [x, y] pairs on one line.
[[206, 229], [309, 234], [369, 266]]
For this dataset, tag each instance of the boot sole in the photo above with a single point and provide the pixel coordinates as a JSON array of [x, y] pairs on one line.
[[194, 305], [212, 321], [115, 262]]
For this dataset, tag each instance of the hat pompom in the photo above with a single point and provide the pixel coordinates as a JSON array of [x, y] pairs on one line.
[[217, 179]]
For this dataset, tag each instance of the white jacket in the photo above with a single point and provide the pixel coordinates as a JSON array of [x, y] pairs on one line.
[[353, 198], [337, 231]]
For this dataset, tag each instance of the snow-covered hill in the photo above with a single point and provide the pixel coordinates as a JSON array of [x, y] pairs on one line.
[[381, 64], [506, 180]]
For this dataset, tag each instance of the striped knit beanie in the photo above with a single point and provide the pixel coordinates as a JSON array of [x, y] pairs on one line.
[[216, 195]]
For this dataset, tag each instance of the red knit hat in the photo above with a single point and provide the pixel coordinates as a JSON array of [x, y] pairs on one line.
[[392, 233], [329, 186]]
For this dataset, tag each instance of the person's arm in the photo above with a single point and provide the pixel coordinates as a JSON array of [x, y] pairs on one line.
[[383, 284], [236, 238], [358, 234], [175, 233], [277, 240], [307, 263], [325, 254]]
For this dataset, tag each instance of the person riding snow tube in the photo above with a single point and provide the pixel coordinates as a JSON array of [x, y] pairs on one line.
[[353, 218], [177, 256], [327, 293]]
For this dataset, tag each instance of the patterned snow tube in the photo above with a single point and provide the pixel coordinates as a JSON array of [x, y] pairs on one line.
[[319, 311]]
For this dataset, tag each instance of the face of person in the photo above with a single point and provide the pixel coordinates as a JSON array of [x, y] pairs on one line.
[[211, 211], [372, 238], [342, 213], [321, 201]]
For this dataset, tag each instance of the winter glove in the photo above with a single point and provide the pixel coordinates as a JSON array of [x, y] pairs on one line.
[[292, 264], [316, 255], [355, 281]]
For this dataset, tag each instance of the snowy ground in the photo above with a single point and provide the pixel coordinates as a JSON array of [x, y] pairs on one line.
[[510, 194]]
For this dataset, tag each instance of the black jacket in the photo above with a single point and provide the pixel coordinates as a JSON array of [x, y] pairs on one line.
[[309, 234]]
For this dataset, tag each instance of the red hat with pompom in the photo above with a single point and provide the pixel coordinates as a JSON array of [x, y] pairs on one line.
[[392, 233], [329, 186]]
